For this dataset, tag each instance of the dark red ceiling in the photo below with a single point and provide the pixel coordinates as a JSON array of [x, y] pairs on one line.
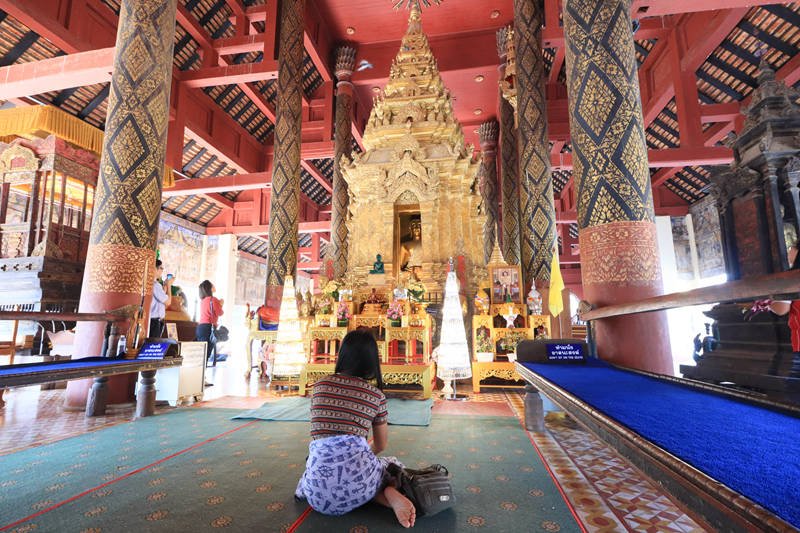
[[375, 21]]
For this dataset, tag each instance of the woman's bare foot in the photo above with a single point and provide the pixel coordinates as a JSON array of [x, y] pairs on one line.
[[402, 507]]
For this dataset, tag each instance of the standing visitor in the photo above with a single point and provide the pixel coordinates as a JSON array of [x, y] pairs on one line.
[[792, 308], [344, 407], [210, 311], [162, 297]]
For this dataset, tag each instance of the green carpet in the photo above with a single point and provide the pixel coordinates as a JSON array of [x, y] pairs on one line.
[[298, 409], [244, 479], [47, 474], [500, 483]]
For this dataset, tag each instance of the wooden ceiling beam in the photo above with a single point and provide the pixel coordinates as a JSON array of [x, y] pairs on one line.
[[320, 226], [218, 184], [237, 7], [57, 73], [667, 157], [51, 29], [240, 44], [650, 8], [315, 173], [219, 200], [231, 74], [309, 150], [701, 34]]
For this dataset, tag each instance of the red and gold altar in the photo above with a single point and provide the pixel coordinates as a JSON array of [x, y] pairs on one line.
[[413, 200], [404, 341]]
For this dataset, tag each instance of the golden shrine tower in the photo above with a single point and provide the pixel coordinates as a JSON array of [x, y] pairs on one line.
[[416, 173]]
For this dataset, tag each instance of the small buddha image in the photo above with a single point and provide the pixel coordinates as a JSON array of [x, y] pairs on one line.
[[374, 297], [377, 266], [790, 239]]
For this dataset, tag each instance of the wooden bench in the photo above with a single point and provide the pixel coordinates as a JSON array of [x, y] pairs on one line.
[[98, 368]]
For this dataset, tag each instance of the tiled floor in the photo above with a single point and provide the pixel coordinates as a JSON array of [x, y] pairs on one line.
[[608, 493]]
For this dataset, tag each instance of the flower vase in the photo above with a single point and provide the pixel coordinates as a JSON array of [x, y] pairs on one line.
[[485, 357], [342, 323], [394, 323]]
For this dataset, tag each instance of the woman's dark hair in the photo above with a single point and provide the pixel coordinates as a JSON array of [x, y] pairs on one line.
[[205, 289], [358, 357]]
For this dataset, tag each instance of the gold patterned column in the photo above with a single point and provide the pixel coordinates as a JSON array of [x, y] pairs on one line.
[[343, 139], [619, 251], [509, 165], [536, 182], [121, 255], [487, 135], [285, 198]]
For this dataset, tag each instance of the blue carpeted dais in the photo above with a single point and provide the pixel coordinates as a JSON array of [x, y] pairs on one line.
[[86, 362], [752, 450]]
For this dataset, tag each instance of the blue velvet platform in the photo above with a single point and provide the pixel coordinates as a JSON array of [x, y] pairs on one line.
[[73, 364], [751, 449]]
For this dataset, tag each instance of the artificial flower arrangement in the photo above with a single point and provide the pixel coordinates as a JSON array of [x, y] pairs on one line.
[[509, 342], [331, 289], [416, 288], [343, 312], [484, 342], [395, 311], [758, 307]]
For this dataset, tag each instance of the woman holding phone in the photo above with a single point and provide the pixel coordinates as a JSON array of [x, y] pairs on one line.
[[210, 311]]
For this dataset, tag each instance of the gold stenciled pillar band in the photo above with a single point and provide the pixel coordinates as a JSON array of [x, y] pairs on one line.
[[509, 173], [343, 138], [285, 199], [620, 253], [487, 135], [536, 193], [128, 200], [619, 248]]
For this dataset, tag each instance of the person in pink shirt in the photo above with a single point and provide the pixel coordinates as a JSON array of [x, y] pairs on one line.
[[210, 311]]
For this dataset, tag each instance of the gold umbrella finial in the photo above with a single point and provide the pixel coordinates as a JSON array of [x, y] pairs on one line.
[[415, 4]]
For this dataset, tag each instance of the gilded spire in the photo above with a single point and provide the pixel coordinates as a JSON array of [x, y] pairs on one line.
[[414, 20], [414, 101], [496, 259]]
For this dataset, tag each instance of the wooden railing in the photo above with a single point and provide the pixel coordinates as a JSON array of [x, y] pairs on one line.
[[785, 285], [110, 318]]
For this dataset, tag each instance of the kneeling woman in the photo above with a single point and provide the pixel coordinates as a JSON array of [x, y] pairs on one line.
[[342, 470]]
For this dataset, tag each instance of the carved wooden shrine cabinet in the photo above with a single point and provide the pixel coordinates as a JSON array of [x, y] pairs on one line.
[[47, 190], [500, 322], [759, 206]]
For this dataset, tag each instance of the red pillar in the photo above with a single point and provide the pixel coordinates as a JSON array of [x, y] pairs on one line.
[[619, 249]]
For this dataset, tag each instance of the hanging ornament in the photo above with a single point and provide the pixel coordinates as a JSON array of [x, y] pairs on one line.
[[408, 4]]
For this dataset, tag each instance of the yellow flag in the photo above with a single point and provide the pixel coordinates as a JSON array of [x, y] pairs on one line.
[[554, 301]]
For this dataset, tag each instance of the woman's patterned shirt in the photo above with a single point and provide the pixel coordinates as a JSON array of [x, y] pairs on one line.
[[343, 405]]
